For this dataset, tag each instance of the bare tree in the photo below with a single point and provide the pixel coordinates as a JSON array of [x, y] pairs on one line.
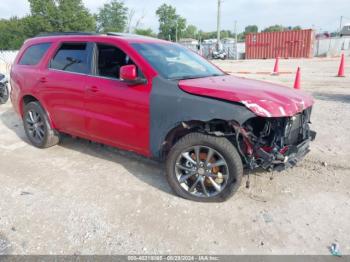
[[134, 22], [130, 16]]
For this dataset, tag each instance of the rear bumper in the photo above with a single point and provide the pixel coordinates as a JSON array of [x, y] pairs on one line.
[[296, 153], [15, 99]]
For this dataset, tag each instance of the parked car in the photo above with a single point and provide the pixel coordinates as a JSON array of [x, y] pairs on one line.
[[221, 54], [4, 91], [162, 101]]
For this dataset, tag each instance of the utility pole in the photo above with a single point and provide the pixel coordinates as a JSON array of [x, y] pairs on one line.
[[218, 24], [341, 23], [236, 40], [176, 33]]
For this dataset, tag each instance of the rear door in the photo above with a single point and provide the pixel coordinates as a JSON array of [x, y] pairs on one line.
[[63, 86]]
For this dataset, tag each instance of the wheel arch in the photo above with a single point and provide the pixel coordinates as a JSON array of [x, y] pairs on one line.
[[28, 98], [214, 127]]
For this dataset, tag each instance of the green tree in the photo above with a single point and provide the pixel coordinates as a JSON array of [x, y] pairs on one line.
[[145, 32], [60, 16], [274, 28], [251, 29], [281, 28], [298, 27], [226, 34], [45, 16], [213, 34], [190, 32], [240, 37], [208, 35], [112, 17], [170, 23], [12, 33]]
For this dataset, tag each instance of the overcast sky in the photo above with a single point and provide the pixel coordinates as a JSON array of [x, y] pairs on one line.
[[320, 14]]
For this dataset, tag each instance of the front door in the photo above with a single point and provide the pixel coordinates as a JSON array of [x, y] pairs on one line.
[[117, 113]]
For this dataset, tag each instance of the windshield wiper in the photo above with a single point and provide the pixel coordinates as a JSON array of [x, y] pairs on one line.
[[194, 77]]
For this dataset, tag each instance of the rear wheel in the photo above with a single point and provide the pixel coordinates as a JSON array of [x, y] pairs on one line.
[[204, 168], [37, 126], [4, 93]]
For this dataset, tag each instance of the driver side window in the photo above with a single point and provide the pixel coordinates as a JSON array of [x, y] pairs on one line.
[[109, 61]]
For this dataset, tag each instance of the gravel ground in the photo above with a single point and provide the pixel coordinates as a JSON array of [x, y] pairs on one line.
[[83, 198]]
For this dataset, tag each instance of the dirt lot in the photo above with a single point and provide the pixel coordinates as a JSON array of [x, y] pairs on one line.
[[82, 198]]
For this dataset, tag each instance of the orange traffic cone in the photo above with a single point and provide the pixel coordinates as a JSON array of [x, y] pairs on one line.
[[297, 79], [276, 67], [341, 66]]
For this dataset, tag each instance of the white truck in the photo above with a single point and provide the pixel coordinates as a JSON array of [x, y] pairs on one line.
[[345, 31]]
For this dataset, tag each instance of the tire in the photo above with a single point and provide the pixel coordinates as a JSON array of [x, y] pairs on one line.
[[4, 94], [223, 148], [33, 111]]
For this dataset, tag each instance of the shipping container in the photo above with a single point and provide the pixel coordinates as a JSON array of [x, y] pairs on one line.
[[287, 44]]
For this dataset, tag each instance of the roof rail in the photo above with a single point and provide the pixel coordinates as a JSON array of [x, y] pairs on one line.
[[127, 35], [65, 33]]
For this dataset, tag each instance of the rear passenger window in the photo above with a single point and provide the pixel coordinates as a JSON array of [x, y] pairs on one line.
[[72, 57], [34, 53]]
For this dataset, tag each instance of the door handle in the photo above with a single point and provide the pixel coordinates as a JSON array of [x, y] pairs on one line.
[[42, 79], [93, 89]]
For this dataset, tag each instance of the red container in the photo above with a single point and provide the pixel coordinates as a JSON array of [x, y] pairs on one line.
[[296, 44]]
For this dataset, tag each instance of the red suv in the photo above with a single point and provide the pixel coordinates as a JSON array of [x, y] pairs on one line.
[[162, 101]]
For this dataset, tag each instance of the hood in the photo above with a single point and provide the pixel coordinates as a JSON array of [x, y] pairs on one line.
[[263, 98]]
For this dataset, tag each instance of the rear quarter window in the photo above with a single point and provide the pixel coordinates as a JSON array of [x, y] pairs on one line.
[[33, 54]]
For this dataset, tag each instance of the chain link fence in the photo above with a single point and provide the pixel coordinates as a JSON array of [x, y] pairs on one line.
[[6, 60], [207, 49], [334, 46]]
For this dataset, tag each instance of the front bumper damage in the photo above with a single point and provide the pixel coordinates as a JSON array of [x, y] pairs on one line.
[[274, 144], [291, 157]]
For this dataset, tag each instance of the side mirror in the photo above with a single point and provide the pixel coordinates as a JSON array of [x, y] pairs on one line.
[[128, 74]]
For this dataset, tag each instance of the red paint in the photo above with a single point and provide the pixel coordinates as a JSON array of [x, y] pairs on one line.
[[297, 79], [263, 98], [286, 44], [104, 110], [341, 70], [128, 72]]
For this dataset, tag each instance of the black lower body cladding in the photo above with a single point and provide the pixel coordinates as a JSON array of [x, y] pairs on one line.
[[170, 106]]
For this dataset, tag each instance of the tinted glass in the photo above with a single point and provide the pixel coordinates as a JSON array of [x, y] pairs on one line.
[[176, 62], [34, 53], [72, 58], [110, 59]]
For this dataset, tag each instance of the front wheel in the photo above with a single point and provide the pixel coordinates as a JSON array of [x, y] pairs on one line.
[[4, 93], [204, 168]]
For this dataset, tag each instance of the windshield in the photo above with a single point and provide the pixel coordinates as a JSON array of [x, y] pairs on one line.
[[176, 62]]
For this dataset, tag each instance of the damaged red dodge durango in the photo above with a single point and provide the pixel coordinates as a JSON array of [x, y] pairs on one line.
[[162, 101]]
